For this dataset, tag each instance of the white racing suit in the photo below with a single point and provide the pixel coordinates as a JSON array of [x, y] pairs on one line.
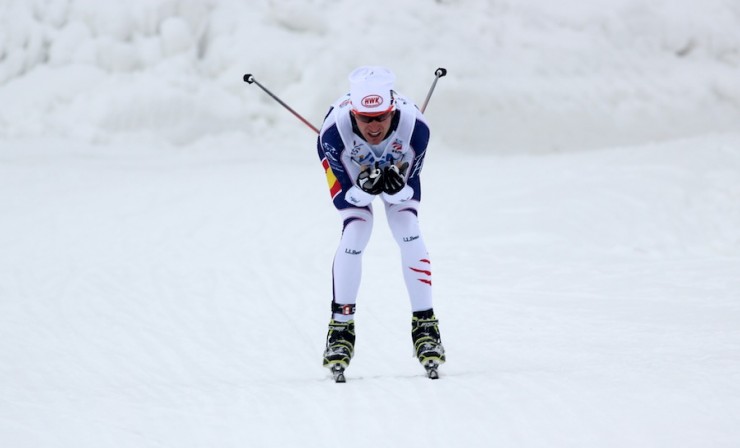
[[344, 154]]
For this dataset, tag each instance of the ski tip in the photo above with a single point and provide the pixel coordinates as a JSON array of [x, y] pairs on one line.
[[337, 372], [431, 367]]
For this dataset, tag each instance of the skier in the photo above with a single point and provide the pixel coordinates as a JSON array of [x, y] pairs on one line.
[[372, 144]]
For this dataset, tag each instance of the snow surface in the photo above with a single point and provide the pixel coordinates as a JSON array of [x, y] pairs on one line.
[[166, 234]]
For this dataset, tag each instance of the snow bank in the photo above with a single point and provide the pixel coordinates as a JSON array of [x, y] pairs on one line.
[[527, 75]]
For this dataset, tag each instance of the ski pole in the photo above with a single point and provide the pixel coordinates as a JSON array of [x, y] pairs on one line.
[[440, 72], [249, 79]]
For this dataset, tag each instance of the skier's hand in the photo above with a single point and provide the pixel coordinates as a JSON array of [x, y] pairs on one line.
[[393, 178], [370, 180]]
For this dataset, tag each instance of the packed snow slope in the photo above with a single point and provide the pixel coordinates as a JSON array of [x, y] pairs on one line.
[[166, 234]]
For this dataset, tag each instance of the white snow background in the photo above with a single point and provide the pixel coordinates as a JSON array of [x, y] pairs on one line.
[[166, 233]]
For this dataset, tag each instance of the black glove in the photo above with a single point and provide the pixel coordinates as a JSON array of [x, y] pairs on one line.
[[393, 178], [371, 180]]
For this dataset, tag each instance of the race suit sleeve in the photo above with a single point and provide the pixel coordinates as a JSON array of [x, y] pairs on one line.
[[342, 187]]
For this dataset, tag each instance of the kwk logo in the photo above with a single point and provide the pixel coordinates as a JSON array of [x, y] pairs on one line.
[[372, 101]]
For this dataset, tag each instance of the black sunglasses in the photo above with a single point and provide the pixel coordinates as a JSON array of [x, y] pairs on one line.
[[370, 118]]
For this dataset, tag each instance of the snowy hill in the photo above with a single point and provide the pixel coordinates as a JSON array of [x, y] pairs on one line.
[[166, 235]]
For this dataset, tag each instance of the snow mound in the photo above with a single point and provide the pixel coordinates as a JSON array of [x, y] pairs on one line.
[[523, 76]]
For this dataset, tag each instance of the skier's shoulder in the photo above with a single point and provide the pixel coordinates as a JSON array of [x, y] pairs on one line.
[[341, 106], [417, 122], [342, 103], [410, 109]]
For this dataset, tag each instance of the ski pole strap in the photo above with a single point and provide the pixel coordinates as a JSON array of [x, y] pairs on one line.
[[345, 310]]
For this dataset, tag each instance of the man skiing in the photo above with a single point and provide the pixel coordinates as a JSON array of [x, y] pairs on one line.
[[372, 144]]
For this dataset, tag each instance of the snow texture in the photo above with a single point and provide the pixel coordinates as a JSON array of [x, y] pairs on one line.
[[166, 235]]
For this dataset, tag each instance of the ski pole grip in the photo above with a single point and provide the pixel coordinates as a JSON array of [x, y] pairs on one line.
[[440, 72], [248, 78]]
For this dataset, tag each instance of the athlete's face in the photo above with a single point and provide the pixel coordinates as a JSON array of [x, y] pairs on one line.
[[374, 128]]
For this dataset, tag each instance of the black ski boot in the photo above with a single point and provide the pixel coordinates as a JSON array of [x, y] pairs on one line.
[[427, 341], [340, 347]]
